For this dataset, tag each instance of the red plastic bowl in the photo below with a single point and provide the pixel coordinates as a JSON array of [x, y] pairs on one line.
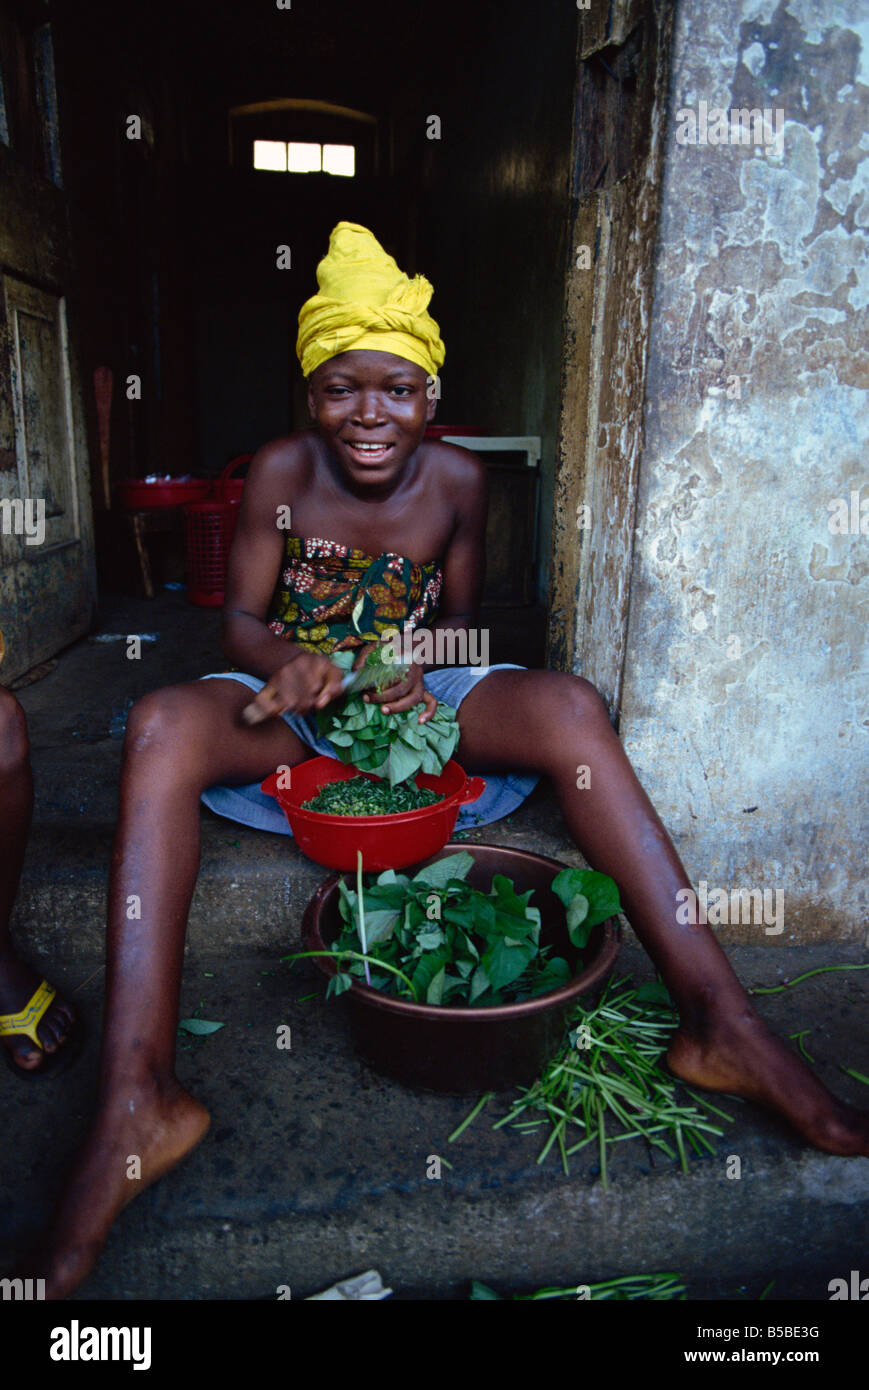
[[135, 495], [386, 842]]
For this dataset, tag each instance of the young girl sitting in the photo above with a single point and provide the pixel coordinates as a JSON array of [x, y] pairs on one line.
[[383, 516]]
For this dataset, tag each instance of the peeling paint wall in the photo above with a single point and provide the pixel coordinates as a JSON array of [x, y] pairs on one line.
[[745, 693]]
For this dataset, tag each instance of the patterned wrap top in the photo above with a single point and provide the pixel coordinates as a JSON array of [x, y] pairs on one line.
[[331, 596]]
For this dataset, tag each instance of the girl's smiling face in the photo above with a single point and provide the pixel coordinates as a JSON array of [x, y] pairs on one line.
[[372, 409]]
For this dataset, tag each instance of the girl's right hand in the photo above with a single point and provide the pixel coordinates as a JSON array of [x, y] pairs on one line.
[[308, 681]]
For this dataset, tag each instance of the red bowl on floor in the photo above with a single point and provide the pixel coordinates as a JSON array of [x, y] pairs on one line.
[[386, 842], [461, 1048]]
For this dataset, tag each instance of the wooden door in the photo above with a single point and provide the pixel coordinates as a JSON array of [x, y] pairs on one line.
[[47, 573]]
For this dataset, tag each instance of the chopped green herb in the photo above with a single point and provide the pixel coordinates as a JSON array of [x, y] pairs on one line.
[[359, 796]]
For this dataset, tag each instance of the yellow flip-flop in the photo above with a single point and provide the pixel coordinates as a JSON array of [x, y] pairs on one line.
[[25, 1024]]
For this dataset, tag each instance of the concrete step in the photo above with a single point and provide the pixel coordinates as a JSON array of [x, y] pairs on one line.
[[315, 1166], [252, 887]]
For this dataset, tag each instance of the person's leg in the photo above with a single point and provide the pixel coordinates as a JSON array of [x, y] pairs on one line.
[[179, 741], [18, 980], [557, 723]]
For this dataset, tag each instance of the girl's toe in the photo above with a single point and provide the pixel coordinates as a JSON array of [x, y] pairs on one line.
[[49, 1034], [25, 1055]]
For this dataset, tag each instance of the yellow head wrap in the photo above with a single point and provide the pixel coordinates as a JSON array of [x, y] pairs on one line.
[[365, 301]]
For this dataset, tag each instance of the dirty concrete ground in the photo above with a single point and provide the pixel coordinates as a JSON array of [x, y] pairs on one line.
[[315, 1166]]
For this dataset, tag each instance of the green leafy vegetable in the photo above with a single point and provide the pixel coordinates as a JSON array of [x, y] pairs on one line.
[[378, 665], [392, 746], [453, 944], [590, 898]]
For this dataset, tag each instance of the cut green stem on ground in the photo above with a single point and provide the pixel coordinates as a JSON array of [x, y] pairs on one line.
[[656, 1287], [857, 1075], [801, 1045], [618, 1083], [470, 1118], [789, 984]]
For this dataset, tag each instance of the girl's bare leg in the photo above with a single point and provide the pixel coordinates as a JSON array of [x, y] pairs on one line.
[[18, 981], [179, 741], [556, 723]]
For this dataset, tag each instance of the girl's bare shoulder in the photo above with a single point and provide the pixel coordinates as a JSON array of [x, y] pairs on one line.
[[456, 468], [286, 462]]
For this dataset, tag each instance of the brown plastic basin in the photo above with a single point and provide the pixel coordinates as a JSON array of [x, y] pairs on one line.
[[460, 1050]]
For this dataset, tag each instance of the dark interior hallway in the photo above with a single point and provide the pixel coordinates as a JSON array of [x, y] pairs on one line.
[[174, 235]]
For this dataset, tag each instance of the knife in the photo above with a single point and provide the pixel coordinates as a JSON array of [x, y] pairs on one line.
[[351, 684]]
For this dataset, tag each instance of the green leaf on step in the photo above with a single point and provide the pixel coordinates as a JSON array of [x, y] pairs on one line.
[[200, 1027]]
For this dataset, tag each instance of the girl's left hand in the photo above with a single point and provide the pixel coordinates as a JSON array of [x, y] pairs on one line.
[[404, 694]]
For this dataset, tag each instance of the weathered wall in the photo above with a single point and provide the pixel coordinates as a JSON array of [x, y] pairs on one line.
[[744, 707]]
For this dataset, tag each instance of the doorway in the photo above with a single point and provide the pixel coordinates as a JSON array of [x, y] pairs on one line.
[[47, 581]]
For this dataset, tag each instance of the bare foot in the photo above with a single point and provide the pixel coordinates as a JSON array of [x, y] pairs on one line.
[[156, 1123], [18, 982], [739, 1054]]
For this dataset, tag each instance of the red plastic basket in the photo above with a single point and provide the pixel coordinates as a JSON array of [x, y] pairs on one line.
[[210, 532], [227, 488], [386, 842]]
